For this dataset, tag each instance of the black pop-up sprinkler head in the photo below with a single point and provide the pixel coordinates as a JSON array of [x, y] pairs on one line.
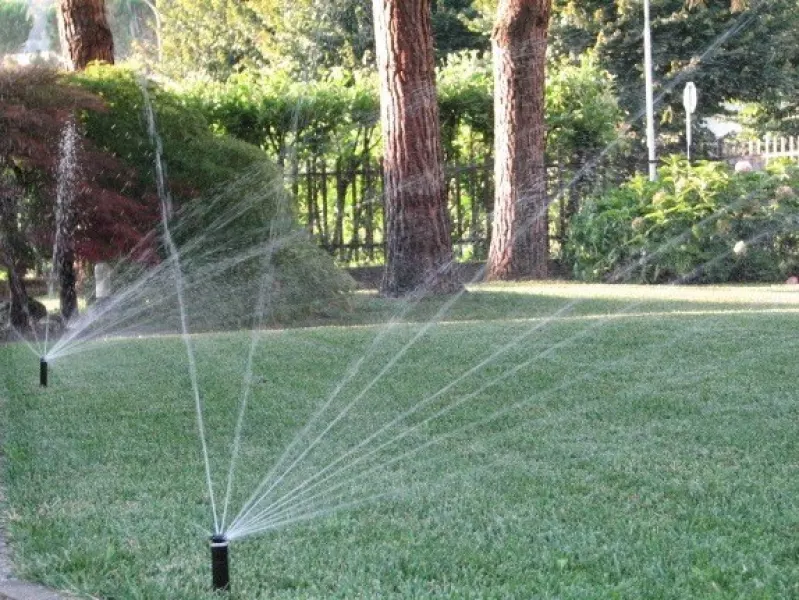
[[43, 371], [219, 563]]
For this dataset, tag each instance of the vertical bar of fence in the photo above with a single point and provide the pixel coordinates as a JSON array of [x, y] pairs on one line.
[[562, 201], [488, 201], [341, 194], [355, 239], [325, 224], [309, 195], [458, 209], [474, 227], [369, 198], [295, 176]]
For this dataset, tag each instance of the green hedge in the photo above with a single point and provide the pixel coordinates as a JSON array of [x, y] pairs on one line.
[[229, 201], [339, 115], [699, 223]]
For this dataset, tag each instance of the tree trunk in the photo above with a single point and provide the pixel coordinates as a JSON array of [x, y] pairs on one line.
[[11, 250], [85, 32], [520, 238], [418, 243], [65, 266], [19, 316]]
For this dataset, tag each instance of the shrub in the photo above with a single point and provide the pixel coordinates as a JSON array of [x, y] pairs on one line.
[[229, 203], [701, 223]]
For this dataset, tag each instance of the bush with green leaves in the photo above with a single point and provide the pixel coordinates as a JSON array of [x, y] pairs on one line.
[[698, 223], [229, 202], [15, 25], [335, 116], [339, 114]]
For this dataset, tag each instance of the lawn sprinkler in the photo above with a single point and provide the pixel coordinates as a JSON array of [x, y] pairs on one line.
[[219, 563], [43, 371]]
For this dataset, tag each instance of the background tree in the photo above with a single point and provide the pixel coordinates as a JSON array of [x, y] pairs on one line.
[[218, 38], [520, 240], [15, 25], [419, 247], [734, 51], [213, 38], [85, 32], [87, 37]]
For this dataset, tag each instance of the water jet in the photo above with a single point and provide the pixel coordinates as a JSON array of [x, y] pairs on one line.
[[219, 563]]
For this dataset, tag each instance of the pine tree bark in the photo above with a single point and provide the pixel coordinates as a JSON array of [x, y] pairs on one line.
[[85, 32], [418, 242], [11, 249], [19, 315], [520, 238]]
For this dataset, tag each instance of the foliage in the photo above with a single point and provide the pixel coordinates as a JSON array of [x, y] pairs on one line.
[[731, 54], [452, 28], [700, 223], [305, 37], [211, 38], [35, 105], [227, 195], [289, 117], [583, 115], [466, 106], [338, 114], [15, 25]]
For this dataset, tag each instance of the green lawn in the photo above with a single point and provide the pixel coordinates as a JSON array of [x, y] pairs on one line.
[[642, 444]]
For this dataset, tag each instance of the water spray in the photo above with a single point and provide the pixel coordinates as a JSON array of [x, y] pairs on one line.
[[43, 371], [219, 563]]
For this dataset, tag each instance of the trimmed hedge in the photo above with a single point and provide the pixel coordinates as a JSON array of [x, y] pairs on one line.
[[229, 202]]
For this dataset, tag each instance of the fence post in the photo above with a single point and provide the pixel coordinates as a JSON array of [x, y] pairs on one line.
[[341, 194], [311, 196], [325, 227]]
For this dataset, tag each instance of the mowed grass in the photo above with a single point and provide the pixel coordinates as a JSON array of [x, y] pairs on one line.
[[638, 445]]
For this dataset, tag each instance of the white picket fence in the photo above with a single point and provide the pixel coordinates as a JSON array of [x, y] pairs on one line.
[[765, 150]]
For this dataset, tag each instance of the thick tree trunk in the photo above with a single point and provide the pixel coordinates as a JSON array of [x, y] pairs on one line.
[[65, 266], [10, 251], [520, 238], [19, 316], [418, 243], [85, 32]]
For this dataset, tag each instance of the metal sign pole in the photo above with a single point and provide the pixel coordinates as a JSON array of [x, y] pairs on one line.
[[650, 105], [689, 103]]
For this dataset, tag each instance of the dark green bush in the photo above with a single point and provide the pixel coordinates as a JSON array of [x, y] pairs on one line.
[[229, 202], [701, 223]]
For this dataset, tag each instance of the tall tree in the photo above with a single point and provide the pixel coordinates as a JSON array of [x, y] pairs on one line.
[[87, 37], [520, 239], [697, 40], [85, 31], [12, 247], [418, 242]]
